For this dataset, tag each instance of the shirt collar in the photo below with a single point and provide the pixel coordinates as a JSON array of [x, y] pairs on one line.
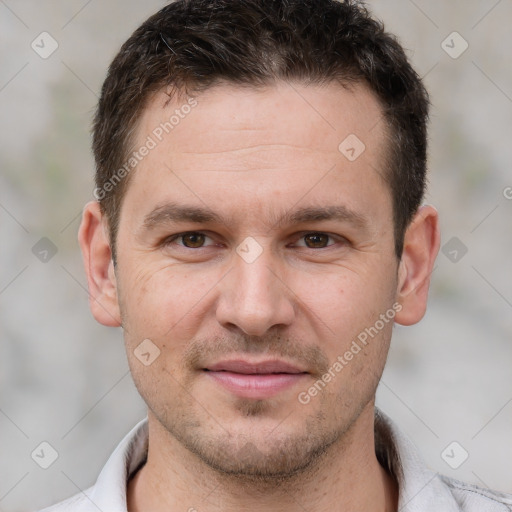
[[109, 493], [419, 488]]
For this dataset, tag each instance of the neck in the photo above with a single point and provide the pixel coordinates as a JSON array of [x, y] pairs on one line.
[[347, 476]]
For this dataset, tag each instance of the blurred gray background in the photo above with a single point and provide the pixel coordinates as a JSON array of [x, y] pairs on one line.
[[64, 378]]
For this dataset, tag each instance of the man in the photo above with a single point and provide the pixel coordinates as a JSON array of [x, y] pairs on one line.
[[258, 231]]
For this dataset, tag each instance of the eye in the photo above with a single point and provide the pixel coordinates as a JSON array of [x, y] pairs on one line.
[[315, 240], [190, 240]]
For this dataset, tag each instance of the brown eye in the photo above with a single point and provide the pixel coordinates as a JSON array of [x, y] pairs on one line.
[[316, 240], [193, 240]]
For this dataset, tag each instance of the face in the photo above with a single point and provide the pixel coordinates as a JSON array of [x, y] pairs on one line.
[[256, 259]]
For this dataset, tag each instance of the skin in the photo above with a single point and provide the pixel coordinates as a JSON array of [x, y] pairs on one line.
[[254, 156]]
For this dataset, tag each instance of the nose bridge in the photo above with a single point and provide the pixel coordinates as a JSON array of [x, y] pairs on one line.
[[254, 298]]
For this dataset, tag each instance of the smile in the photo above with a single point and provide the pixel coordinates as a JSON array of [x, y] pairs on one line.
[[255, 380]]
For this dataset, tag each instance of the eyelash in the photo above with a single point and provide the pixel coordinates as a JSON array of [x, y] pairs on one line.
[[170, 240]]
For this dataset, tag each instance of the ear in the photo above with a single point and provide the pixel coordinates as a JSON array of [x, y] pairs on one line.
[[94, 243], [421, 245]]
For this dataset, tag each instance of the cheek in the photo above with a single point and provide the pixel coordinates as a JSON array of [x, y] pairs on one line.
[[357, 363], [344, 310], [340, 301], [160, 301]]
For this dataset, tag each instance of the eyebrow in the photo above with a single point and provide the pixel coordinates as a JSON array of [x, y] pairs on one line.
[[174, 212]]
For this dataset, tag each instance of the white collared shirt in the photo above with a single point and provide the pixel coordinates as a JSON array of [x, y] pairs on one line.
[[420, 489]]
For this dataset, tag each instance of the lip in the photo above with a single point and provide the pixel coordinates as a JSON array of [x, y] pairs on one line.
[[255, 380], [263, 367]]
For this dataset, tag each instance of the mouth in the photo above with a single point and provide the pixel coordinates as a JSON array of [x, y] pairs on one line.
[[257, 380]]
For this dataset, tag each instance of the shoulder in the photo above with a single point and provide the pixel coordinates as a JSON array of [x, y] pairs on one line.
[[420, 488], [472, 498], [77, 503]]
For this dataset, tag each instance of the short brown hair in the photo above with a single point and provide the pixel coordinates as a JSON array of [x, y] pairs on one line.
[[192, 45]]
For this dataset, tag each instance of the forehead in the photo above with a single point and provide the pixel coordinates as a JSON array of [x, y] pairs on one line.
[[275, 144], [309, 116]]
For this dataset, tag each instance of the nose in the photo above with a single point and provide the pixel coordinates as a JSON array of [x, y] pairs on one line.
[[254, 298]]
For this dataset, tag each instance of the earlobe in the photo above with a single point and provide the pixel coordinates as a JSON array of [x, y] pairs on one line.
[[97, 256], [421, 245]]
